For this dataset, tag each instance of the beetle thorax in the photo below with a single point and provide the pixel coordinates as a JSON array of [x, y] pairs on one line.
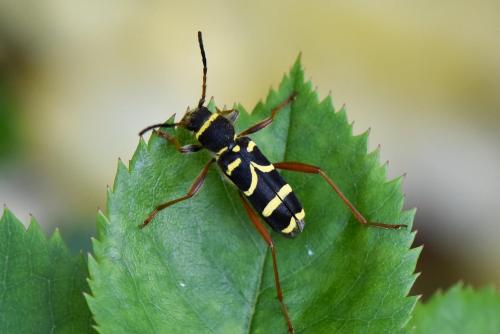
[[212, 130]]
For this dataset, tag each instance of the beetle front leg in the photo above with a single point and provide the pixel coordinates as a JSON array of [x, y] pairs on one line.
[[173, 140], [193, 190]]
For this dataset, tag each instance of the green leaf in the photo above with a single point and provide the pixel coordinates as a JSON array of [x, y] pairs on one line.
[[200, 266], [459, 310], [41, 284]]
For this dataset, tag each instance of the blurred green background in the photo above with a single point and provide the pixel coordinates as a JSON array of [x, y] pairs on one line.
[[79, 79]]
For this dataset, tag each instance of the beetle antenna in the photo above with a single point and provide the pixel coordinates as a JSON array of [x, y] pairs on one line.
[[154, 126], [204, 59]]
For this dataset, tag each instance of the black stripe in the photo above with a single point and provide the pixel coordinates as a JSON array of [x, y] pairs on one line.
[[219, 134]]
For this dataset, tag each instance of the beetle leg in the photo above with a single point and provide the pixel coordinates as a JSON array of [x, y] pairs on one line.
[[266, 121], [305, 168], [265, 235], [173, 140], [195, 187], [230, 114]]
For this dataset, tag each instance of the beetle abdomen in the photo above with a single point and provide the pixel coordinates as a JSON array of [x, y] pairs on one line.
[[270, 195]]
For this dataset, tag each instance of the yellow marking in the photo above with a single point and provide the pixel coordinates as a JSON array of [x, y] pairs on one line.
[[250, 146], [290, 227], [206, 124], [222, 150], [263, 169], [233, 165], [253, 183], [236, 148], [276, 201], [300, 215]]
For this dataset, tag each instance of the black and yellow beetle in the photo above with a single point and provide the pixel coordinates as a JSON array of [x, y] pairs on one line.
[[257, 179]]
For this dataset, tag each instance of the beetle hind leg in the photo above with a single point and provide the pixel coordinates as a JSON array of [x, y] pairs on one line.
[[305, 168], [267, 238]]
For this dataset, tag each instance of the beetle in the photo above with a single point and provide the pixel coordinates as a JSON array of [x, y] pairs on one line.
[[261, 187]]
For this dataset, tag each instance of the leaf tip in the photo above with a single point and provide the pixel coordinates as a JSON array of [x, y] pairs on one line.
[[6, 212], [102, 224], [138, 156], [327, 102], [298, 61], [87, 295], [56, 236], [34, 227], [368, 131], [211, 104], [121, 173], [101, 217]]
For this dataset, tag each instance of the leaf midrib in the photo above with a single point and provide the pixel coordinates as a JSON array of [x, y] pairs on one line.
[[258, 291]]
